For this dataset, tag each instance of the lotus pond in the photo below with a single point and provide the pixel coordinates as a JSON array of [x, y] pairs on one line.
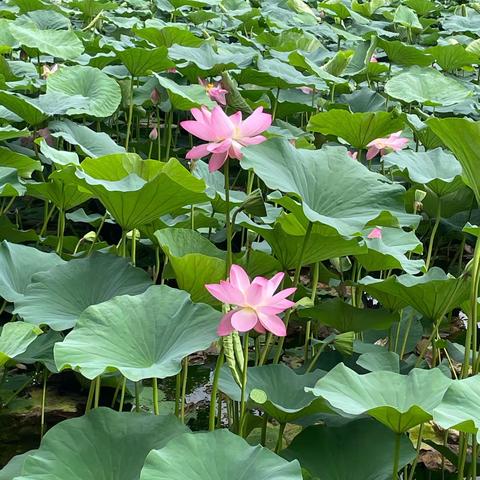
[[239, 240]]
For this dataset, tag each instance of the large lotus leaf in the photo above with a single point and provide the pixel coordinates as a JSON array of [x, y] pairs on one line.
[[137, 191], [389, 252], [437, 169], [402, 54], [15, 337], [143, 61], [452, 57], [277, 390], [99, 94], [41, 350], [24, 165], [58, 157], [104, 445], [23, 106], [427, 86], [290, 40], [358, 129], [216, 455], [286, 238], [346, 318], [194, 259], [459, 23], [58, 43], [62, 189], [272, 72], [407, 17], [18, 263], [362, 449], [400, 402], [312, 175], [185, 97], [462, 137], [142, 336], [94, 144], [460, 407], [58, 296], [9, 133], [14, 467], [166, 36], [433, 294]]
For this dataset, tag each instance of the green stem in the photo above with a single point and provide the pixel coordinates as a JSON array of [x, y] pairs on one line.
[[122, 394], [184, 389], [156, 409], [396, 456], [296, 280], [474, 456], [462, 455], [279, 444], [98, 385], [213, 396], [316, 274], [316, 357], [228, 224], [159, 138], [90, 396], [137, 397], [432, 236], [134, 247], [419, 446], [61, 231], [46, 219], [178, 389], [266, 349], [244, 384], [472, 320], [130, 114], [97, 233], [168, 133], [275, 105], [44, 400], [263, 438], [405, 337]]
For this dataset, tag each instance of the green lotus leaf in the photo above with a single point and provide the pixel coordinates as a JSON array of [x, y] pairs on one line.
[[290, 40], [10, 133], [166, 36], [427, 86], [345, 318], [10, 183], [58, 296], [360, 449], [113, 446], [94, 144], [362, 197], [62, 189], [389, 252], [452, 57], [24, 107], [13, 468], [99, 94], [400, 402], [163, 321], [142, 61], [433, 294], [459, 23], [459, 408], [58, 157], [41, 350], [403, 54], [137, 191], [286, 237], [462, 137], [185, 97], [407, 17], [437, 169], [18, 263], [24, 165], [277, 390], [194, 259], [15, 337], [217, 455], [358, 129], [382, 360]]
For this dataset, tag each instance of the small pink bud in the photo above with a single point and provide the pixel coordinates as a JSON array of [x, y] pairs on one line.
[[154, 96], [153, 135], [353, 155], [375, 233]]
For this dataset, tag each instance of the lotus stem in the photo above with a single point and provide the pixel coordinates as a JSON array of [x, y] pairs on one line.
[[130, 114], [156, 409], [396, 456], [137, 397], [432, 236], [279, 444], [61, 231], [90, 396], [462, 455], [168, 133], [178, 389], [419, 446], [316, 274], [213, 395], [266, 349], [98, 386], [243, 409], [184, 389], [44, 400], [122, 394], [471, 336], [263, 438]]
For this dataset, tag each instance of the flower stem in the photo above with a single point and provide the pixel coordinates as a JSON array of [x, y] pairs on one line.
[[91, 390], [98, 386], [472, 320], [184, 389], [44, 399], [396, 456], [316, 274], [419, 446], [213, 396], [122, 394], [168, 133], [228, 224], [244, 384], [432, 236], [130, 114], [137, 397], [61, 231], [279, 444], [156, 410]]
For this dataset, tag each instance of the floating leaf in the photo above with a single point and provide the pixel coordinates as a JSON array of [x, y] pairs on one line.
[[142, 336]]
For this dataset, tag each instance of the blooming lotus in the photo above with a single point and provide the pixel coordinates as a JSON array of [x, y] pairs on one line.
[[256, 305], [226, 135], [392, 143], [214, 91], [375, 233]]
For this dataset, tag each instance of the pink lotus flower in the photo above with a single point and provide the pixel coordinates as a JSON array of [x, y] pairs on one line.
[[256, 305], [306, 90], [214, 91], [373, 59], [153, 135], [375, 233], [393, 142], [353, 155], [225, 134]]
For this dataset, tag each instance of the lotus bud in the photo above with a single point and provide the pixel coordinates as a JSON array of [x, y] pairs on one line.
[[419, 196], [153, 135], [155, 96]]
